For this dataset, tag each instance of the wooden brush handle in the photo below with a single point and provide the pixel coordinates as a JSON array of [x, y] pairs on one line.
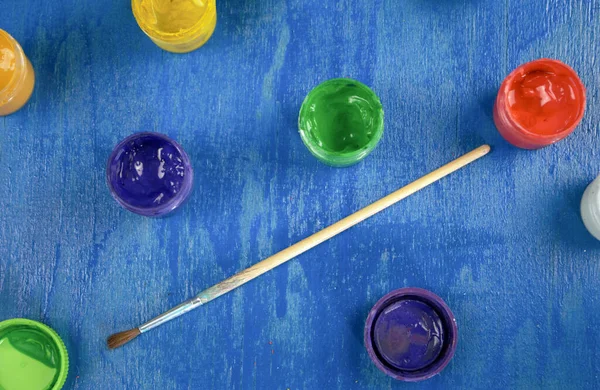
[[310, 242]]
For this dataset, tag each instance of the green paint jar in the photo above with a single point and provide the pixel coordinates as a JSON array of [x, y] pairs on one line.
[[32, 356], [341, 122]]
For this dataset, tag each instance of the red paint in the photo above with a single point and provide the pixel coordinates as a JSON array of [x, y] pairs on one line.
[[539, 103]]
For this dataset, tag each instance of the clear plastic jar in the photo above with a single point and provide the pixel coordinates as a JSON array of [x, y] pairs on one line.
[[341, 122], [539, 103], [411, 334], [16, 75], [178, 26], [590, 208], [149, 174]]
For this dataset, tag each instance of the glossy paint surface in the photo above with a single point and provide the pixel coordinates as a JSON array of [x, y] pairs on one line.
[[341, 121], [32, 356], [539, 103], [545, 101], [17, 77], [178, 26], [149, 173], [409, 335], [7, 60]]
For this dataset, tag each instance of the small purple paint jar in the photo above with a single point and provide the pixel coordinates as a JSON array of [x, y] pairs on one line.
[[149, 174], [411, 334]]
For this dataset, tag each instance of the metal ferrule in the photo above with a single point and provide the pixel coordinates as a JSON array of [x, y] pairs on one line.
[[175, 312]]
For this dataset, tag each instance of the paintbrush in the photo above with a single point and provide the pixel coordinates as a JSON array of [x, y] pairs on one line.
[[118, 339]]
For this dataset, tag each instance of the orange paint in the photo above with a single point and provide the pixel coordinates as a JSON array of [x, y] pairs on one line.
[[540, 103], [7, 61], [16, 75]]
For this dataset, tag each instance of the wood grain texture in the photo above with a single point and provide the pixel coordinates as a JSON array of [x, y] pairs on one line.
[[502, 241]]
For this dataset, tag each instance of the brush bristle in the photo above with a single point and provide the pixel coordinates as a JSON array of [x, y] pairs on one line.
[[119, 339]]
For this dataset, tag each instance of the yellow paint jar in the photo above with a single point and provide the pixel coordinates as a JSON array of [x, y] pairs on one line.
[[179, 26], [16, 75]]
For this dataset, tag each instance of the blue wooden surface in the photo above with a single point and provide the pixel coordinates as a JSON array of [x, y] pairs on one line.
[[501, 241]]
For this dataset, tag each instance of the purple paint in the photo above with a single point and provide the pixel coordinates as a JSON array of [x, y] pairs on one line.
[[149, 174], [411, 334]]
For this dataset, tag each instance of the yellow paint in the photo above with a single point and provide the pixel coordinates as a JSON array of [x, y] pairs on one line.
[[178, 26], [16, 75]]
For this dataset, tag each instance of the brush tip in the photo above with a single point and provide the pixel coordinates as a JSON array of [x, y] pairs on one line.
[[119, 339]]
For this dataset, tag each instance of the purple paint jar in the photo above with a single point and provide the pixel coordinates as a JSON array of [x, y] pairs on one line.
[[149, 174], [411, 334]]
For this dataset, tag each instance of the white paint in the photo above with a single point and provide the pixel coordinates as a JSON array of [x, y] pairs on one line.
[[590, 208]]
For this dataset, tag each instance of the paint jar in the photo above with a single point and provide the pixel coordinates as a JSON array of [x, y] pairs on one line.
[[178, 26], [539, 103], [32, 356], [16, 75], [149, 174], [341, 122], [590, 208], [411, 334]]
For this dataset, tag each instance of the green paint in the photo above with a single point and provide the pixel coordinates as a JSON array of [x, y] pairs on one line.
[[32, 356], [341, 121]]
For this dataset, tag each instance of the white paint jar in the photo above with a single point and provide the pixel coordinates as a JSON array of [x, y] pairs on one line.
[[590, 208]]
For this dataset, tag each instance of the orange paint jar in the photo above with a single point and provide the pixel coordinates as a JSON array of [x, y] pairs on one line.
[[539, 103], [16, 75]]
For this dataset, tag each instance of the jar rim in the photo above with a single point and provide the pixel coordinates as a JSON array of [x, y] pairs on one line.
[[53, 336], [18, 77], [441, 309], [342, 158], [531, 66], [182, 35], [172, 203]]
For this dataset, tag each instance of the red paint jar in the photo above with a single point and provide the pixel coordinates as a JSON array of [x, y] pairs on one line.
[[539, 103]]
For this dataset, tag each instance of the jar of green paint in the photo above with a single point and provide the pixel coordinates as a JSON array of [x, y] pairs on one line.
[[341, 122], [32, 356]]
